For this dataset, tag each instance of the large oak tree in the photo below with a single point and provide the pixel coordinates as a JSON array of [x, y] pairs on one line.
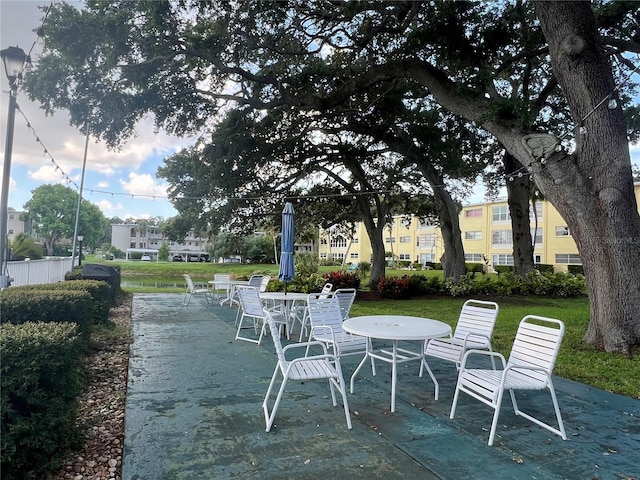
[[182, 61]]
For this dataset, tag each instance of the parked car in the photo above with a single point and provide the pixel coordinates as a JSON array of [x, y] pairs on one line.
[[145, 258], [178, 258]]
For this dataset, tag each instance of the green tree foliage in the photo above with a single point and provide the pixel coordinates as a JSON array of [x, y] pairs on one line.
[[24, 246], [258, 249], [514, 69], [163, 252], [52, 209]]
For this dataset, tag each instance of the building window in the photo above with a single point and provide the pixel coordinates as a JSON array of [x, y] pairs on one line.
[[355, 240], [562, 231], [353, 255], [390, 240], [132, 245], [405, 239], [426, 241], [537, 259], [473, 257], [476, 235], [501, 237], [473, 213], [323, 256], [537, 232], [568, 258], [405, 256], [10, 232], [538, 211], [427, 257], [500, 214], [323, 241], [339, 242], [11, 216], [337, 256], [502, 259]]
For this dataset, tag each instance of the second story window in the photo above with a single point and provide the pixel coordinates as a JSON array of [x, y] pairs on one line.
[[500, 214]]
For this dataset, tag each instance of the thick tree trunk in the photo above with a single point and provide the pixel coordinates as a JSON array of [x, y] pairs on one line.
[[378, 261], [453, 263], [518, 193], [593, 188]]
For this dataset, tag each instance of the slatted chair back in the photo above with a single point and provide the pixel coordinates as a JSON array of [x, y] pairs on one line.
[[251, 313], [536, 345], [326, 326], [476, 322], [324, 310], [264, 283], [256, 281], [346, 297]]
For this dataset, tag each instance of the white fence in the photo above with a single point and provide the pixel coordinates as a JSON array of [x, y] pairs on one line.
[[30, 272]]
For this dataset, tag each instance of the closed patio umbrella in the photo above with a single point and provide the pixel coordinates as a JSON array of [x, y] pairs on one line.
[[286, 271]]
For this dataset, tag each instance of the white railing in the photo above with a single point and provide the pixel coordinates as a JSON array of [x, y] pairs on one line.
[[30, 272]]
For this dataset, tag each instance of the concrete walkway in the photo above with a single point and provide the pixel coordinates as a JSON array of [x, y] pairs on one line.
[[194, 412]]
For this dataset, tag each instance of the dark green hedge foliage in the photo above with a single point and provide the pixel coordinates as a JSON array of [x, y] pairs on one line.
[[341, 279], [100, 291], [40, 381], [21, 305]]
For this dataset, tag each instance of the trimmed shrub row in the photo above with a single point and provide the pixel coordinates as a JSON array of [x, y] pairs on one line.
[[535, 283], [40, 382]]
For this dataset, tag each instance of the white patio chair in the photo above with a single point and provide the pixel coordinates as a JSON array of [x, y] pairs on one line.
[[264, 282], [194, 289], [221, 286], [303, 369], [530, 366], [326, 327], [473, 331], [346, 297], [252, 311], [301, 313]]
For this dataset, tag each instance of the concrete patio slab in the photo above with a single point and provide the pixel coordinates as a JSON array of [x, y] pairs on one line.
[[194, 411]]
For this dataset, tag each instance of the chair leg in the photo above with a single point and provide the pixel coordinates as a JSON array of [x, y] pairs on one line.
[[271, 417], [343, 391], [188, 301], [494, 423]]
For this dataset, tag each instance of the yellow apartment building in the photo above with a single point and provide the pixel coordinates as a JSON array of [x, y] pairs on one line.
[[486, 231]]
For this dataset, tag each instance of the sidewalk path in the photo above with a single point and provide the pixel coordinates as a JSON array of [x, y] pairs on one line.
[[194, 411]]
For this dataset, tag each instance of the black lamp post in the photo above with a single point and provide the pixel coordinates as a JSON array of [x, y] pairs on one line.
[[13, 59], [80, 239]]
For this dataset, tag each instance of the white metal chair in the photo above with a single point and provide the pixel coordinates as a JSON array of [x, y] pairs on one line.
[[302, 369], [473, 331], [252, 311], [194, 289], [301, 314], [530, 366], [221, 286], [326, 327], [346, 297]]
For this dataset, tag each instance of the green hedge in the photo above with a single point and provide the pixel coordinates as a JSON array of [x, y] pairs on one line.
[[21, 305], [40, 382], [100, 292], [535, 283]]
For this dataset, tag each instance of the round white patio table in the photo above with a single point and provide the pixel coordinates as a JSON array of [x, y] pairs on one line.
[[231, 289], [396, 328]]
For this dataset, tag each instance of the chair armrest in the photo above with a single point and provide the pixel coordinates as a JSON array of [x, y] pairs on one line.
[[471, 352], [470, 335], [323, 328], [291, 346]]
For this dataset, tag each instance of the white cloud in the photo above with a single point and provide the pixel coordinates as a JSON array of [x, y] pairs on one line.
[[144, 184], [47, 174]]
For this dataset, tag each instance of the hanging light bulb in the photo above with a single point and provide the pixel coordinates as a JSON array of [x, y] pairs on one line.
[[510, 178], [582, 130], [612, 103], [543, 160], [519, 174]]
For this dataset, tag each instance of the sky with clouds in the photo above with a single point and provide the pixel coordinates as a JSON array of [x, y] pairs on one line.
[[127, 176]]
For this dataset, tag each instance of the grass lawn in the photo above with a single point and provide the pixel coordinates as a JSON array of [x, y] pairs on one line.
[[576, 361]]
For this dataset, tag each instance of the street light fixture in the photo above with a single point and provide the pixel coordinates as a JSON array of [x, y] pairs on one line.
[[13, 59], [80, 239]]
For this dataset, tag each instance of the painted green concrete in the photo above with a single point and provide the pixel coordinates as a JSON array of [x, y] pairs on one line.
[[194, 411]]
